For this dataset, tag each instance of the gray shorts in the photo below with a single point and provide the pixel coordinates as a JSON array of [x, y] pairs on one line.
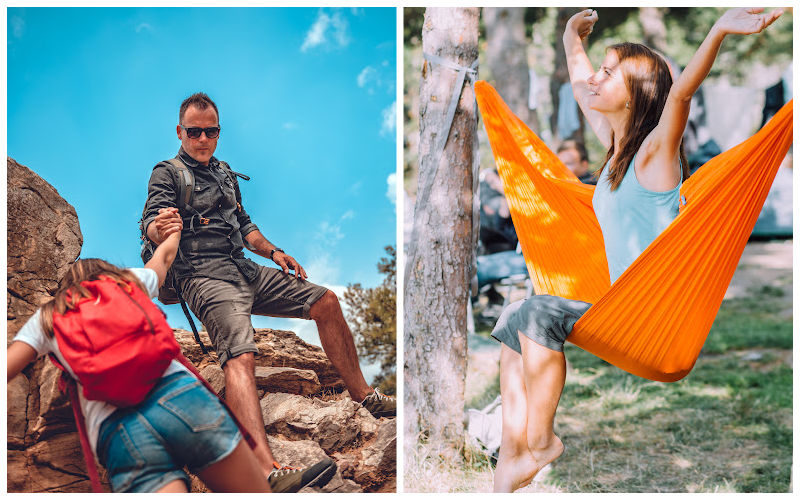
[[545, 319], [225, 307]]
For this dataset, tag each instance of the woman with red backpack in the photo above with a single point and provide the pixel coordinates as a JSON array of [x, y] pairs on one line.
[[105, 332]]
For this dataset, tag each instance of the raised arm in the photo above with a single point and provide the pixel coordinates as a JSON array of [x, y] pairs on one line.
[[580, 69], [165, 254], [666, 138]]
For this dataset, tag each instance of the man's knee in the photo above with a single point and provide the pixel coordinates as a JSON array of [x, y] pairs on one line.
[[326, 305], [243, 365]]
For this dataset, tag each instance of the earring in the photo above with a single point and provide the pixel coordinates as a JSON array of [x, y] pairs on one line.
[[628, 105]]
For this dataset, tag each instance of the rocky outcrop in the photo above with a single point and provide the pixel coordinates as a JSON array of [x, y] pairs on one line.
[[308, 415], [44, 238]]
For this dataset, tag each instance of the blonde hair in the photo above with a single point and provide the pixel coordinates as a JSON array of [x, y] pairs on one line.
[[70, 290]]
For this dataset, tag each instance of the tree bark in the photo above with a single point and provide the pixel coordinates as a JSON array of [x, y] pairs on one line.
[[441, 253], [507, 59], [655, 31], [561, 75]]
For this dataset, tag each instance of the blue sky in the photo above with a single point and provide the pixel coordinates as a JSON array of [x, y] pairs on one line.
[[307, 109]]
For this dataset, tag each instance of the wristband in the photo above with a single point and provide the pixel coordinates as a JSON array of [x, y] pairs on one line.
[[272, 253]]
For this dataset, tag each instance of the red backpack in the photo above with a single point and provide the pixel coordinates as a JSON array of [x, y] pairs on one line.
[[118, 343]]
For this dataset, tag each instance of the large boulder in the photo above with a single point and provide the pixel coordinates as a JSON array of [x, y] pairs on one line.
[[44, 238]]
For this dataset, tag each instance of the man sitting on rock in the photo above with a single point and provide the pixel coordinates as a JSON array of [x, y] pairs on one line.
[[223, 287]]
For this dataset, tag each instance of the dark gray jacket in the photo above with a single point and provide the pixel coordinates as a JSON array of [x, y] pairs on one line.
[[212, 241]]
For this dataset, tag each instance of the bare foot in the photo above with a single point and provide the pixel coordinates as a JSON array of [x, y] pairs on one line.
[[515, 471], [544, 456]]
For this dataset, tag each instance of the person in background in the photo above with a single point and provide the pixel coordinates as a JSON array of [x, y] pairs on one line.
[[573, 154]]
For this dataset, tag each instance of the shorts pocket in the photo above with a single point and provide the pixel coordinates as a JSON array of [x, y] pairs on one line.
[[194, 406]]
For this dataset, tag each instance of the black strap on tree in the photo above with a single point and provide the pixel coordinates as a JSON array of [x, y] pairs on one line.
[[188, 316]]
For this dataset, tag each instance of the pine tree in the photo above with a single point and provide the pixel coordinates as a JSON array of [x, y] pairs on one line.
[[372, 316]]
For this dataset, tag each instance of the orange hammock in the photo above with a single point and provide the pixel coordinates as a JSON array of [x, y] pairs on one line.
[[655, 318]]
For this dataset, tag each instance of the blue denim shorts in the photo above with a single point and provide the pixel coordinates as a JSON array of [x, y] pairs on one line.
[[181, 423]]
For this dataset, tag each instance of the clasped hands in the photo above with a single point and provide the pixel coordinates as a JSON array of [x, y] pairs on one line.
[[167, 222]]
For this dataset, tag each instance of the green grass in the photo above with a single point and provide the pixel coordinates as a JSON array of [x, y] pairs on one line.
[[726, 427]]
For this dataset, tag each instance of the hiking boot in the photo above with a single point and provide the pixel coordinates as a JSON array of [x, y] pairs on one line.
[[380, 405], [291, 480]]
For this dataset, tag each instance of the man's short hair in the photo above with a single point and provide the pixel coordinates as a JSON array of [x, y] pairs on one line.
[[572, 144], [201, 101]]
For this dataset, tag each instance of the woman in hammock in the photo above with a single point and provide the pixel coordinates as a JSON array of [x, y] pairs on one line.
[[639, 115]]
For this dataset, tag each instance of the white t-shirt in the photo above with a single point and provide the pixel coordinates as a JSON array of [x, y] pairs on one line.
[[94, 412]]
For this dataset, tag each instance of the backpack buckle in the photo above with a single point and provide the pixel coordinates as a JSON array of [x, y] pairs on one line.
[[204, 221]]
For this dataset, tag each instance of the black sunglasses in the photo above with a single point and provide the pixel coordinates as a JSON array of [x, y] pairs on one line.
[[194, 132]]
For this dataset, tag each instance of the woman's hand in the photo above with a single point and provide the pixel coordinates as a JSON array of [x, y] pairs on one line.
[[582, 23], [746, 21]]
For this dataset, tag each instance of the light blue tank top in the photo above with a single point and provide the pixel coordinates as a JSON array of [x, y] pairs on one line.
[[631, 217]]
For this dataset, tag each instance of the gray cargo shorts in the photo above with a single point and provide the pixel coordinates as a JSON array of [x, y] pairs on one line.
[[545, 319], [224, 307]]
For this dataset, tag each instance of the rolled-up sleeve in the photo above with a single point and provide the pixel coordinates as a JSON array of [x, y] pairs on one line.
[[160, 194]]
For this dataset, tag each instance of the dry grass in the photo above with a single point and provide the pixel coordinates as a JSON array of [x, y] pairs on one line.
[[426, 471], [727, 427]]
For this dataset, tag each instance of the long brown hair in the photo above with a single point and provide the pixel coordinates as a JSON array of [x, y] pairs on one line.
[[648, 80], [70, 290]]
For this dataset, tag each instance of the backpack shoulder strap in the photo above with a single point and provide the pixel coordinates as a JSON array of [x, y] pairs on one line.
[[233, 177], [67, 384], [185, 178]]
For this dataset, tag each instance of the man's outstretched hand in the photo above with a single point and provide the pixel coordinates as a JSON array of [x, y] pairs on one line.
[[287, 262]]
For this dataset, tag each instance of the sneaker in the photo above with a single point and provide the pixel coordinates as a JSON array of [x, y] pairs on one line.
[[380, 405], [291, 480]]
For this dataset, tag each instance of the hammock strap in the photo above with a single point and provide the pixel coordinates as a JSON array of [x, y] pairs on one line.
[[455, 97]]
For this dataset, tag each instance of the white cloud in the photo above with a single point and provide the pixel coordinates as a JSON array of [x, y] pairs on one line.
[[316, 35], [365, 76], [325, 25], [17, 26], [389, 115], [328, 234], [391, 188], [340, 29], [324, 270], [379, 76], [144, 27], [355, 188]]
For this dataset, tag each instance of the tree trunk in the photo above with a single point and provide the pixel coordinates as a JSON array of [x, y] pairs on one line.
[[561, 75], [441, 251], [506, 55], [655, 31]]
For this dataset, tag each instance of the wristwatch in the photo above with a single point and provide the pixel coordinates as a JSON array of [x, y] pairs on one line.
[[272, 253]]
